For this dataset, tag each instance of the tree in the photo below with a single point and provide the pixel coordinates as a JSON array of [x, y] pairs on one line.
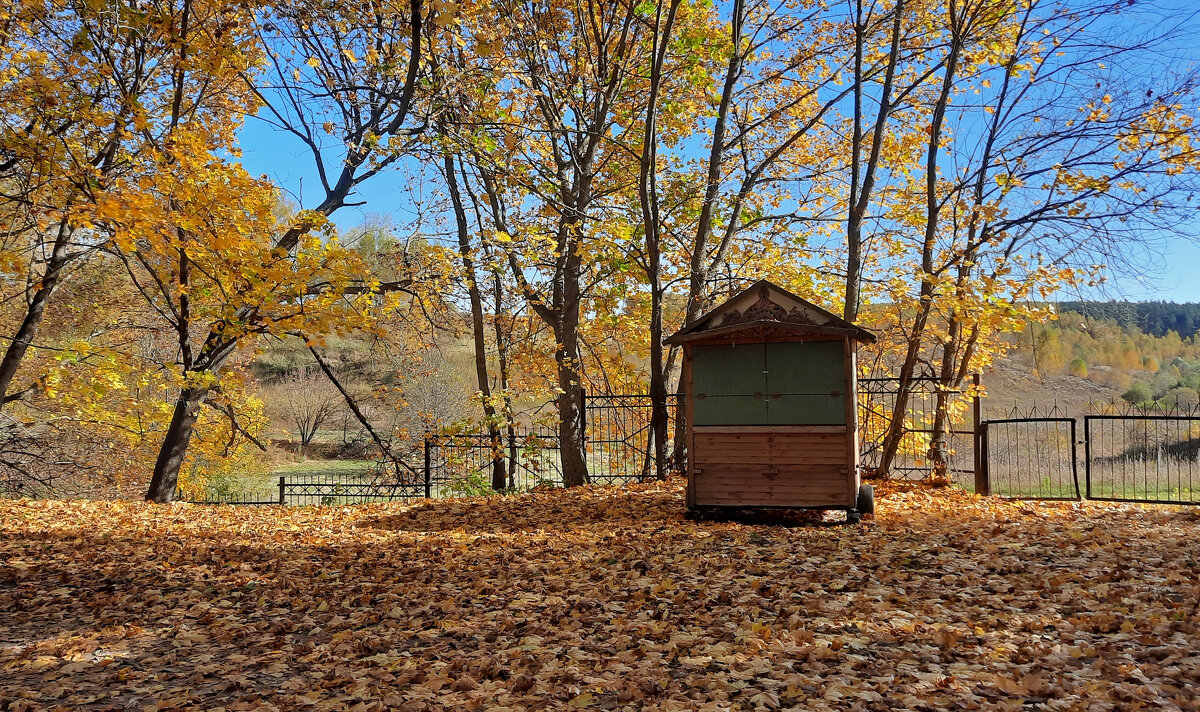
[[492, 418], [1138, 394], [309, 401], [649, 199], [545, 164], [86, 89], [350, 72], [1014, 181]]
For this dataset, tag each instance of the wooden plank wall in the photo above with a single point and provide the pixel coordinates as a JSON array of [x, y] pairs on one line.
[[780, 466]]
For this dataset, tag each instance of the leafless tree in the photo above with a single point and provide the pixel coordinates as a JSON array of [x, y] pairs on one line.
[[308, 400]]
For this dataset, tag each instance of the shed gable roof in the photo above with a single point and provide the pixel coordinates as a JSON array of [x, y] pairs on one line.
[[767, 303]]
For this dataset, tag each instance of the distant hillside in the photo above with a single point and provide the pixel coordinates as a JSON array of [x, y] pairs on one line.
[[1085, 356], [1152, 318]]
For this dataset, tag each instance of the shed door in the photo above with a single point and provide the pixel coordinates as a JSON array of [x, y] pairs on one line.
[[807, 383], [729, 384], [801, 383]]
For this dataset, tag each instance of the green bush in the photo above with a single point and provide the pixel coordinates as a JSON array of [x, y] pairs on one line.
[[1138, 393]]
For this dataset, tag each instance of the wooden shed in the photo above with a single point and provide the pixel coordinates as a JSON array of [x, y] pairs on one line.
[[772, 414]]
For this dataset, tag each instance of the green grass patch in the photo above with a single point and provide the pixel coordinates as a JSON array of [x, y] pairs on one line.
[[340, 468]]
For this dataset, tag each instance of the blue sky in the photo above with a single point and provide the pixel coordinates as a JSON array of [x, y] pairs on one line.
[[1179, 280]]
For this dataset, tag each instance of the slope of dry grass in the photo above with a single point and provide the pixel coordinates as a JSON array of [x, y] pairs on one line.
[[597, 599]]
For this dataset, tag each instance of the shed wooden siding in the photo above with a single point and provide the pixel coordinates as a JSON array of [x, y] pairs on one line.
[[787, 466]]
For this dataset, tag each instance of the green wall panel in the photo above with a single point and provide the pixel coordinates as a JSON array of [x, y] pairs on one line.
[[803, 375], [725, 379], [793, 382], [805, 368]]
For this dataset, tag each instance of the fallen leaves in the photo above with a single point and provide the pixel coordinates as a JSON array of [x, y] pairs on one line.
[[597, 599]]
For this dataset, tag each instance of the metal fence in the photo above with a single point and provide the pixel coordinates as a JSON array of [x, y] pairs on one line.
[[617, 436], [876, 405], [619, 447], [620, 441], [1130, 454], [1143, 456], [462, 463], [1030, 455], [321, 489]]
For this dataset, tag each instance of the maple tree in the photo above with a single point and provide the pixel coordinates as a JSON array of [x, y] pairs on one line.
[[565, 90], [1063, 176], [96, 95], [87, 88], [326, 63], [776, 69]]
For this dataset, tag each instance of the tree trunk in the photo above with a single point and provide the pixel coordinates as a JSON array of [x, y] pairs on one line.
[[572, 447], [938, 454], [35, 312], [482, 381], [175, 444], [658, 385], [502, 341], [895, 431]]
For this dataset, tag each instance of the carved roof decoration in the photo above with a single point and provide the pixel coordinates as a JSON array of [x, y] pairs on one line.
[[765, 303]]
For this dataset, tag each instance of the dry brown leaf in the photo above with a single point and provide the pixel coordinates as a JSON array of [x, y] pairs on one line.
[[598, 598]]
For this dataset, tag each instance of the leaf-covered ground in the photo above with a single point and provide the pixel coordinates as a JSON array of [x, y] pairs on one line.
[[600, 599]]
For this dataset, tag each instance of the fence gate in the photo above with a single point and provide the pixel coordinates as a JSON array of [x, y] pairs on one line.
[[1029, 458], [1143, 458]]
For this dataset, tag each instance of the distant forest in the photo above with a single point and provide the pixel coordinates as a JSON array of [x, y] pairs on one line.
[[1152, 318]]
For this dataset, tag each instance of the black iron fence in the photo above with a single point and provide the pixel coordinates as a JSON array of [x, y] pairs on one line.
[[461, 464], [1138, 455], [618, 440], [619, 444], [1030, 455], [877, 399], [242, 497], [331, 488], [1131, 454]]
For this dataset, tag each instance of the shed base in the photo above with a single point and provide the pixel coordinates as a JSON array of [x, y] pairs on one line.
[[786, 516]]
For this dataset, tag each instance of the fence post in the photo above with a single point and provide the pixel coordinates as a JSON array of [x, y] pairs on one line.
[[1075, 460], [1087, 454], [428, 465], [283, 489], [977, 416], [983, 480]]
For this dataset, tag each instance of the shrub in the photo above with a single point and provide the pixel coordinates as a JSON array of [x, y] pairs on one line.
[[1138, 393], [1182, 396]]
